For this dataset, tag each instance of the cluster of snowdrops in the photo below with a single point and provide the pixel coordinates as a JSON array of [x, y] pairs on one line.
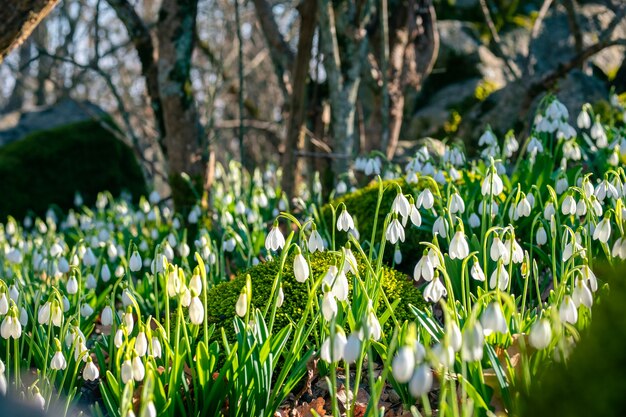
[[115, 296]]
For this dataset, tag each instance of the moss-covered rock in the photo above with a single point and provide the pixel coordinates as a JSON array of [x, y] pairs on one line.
[[221, 299], [361, 204], [49, 167]]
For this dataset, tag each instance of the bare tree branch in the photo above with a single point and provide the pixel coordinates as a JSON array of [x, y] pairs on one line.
[[18, 19]]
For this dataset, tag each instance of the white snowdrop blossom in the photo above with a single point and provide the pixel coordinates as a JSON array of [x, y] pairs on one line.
[[394, 232], [540, 334], [275, 239], [493, 320], [459, 249], [345, 221]]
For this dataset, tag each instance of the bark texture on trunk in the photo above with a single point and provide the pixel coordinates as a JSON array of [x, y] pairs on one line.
[[343, 72], [176, 36], [294, 141], [414, 52], [142, 41], [18, 18]]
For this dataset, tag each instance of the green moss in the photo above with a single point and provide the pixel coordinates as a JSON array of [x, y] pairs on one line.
[[221, 299], [49, 167], [361, 204]]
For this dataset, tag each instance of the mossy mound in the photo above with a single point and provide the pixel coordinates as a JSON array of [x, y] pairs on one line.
[[361, 204], [48, 167], [221, 299]]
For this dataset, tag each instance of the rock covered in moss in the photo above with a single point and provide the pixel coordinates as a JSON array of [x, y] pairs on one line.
[[48, 167], [221, 299]]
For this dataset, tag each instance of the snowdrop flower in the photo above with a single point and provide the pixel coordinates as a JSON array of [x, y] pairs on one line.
[[275, 239], [454, 336], [425, 199], [549, 211], [422, 381], [329, 306], [492, 184], [561, 185], [534, 146], [434, 290], [38, 399], [353, 348], [156, 347], [148, 411], [582, 294], [487, 139], [11, 327], [540, 334], [300, 267], [338, 282], [443, 355], [474, 221], [459, 248], [4, 304], [403, 364], [542, 236], [90, 372], [440, 227], [139, 371], [345, 221], [135, 262], [105, 273], [568, 207], [583, 121], [499, 278], [513, 251], [397, 256], [394, 232], [333, 348], [118, 340], [241, 306], [126, 371], [196, 311], [581, 208], [89, 259], [599, 135], [473, 342], [424, 268], [415, 216], [86, 310], [316, 243], [477, 272], [497, 250], [602, 231], [141, 344], [606, 189], [72, 285], [493, 320], [456, 205], [523, 207], [106, 317], [58, 362], [567, 310], [589, 276], [401, 205]]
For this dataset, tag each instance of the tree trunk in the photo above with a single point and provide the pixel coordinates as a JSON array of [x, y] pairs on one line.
[[140, 36], [18, 20], [413, 57], [176, 29], [343, 77], [294, 141]]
